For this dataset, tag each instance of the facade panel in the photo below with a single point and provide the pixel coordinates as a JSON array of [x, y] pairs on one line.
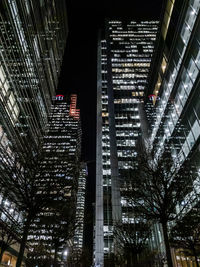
[[174, 82]]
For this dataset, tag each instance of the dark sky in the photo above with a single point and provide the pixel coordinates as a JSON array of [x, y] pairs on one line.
[[79, 70]]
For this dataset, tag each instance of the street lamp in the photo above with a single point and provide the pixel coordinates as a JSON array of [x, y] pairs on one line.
[[65, 253]]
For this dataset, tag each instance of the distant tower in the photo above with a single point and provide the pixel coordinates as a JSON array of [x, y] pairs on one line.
[[62, 149], [124, 59], [80, 212]]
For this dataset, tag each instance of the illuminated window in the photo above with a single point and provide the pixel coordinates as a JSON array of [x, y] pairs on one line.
[[167, 17], [163, 65]]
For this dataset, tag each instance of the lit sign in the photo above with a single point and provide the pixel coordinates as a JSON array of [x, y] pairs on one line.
[[153, 97], [58, 97], [73, 111]]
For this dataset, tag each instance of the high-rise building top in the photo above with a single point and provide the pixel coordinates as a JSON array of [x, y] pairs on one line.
[[124, 58], [64, 139], [175, 78]]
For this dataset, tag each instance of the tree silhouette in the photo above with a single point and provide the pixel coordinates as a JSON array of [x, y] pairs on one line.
[[59, 225], [39, 256], [186, 234], [132, 238], [154, 188], [9, 236], [24, 182]]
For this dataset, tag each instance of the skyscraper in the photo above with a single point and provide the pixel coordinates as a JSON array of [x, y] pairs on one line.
[[80, 212], [32, 42], [124, 59], [174, 114], [33, 38], [61, 163]]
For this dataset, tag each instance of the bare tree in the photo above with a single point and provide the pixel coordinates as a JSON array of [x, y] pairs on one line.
[[154, 188], [186, 234], [8, 236], [24, 182], [39, 256], [132, 238], [82, 258], [59, 224]]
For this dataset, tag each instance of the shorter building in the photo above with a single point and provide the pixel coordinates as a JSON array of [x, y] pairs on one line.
[[80, 212], [61, 163]]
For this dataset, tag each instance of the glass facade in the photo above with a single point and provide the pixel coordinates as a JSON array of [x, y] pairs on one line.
[[177, 111], [125, 55], [174, 117], [32, 42], [31, 56]]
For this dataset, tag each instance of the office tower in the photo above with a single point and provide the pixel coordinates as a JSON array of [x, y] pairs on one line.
[[32, 42], [124, 59], [33, 38], [61, 163], [174, 85], [80, 212]]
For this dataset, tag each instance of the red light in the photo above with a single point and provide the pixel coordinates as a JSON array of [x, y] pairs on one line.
[[73, 112]]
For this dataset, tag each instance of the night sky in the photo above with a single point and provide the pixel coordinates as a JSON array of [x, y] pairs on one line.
[[79, 74], [79, 65]]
